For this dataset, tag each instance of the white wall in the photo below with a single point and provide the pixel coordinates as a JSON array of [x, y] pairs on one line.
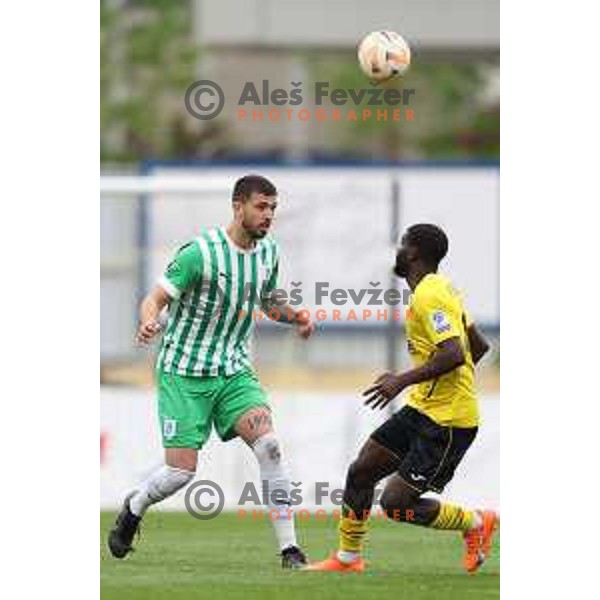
[[321, 434], [334, 224]]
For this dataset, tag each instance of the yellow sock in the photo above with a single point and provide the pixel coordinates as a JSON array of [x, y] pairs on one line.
[[352, 533], [453, 518]]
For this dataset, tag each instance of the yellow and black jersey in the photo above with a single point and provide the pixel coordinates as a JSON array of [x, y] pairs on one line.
[[436, 313]]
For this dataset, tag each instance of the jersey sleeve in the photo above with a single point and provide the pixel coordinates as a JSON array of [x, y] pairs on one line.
[[183, 271], [439, 316]]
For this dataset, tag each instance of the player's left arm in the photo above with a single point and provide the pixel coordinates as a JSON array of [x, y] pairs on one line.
[[443, 327], [281, 311], [285, 313]]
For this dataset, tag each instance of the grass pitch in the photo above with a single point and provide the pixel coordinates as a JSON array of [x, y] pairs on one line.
[[179, 557]]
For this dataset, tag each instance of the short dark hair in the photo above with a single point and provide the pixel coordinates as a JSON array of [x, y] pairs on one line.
[[248, 184], [430, 241]]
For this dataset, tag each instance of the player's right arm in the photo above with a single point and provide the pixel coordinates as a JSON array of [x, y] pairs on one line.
[[150, 309], [181, 274], [441, 322]]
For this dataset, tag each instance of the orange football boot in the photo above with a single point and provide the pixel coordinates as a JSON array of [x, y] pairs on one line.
[[333, 563], [478, 541], [491, 521]]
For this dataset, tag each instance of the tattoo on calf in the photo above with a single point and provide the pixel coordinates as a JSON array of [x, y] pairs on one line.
[[274, 453]]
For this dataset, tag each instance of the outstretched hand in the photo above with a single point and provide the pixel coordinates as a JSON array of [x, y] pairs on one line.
[[384, 390], [305, 328], [147, 332]]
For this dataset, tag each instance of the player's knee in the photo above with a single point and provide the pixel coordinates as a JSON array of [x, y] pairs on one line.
[[184, 459], [360, 474], [396, 499], [390, 501]]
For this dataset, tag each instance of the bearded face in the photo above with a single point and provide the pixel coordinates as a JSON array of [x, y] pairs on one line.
[[256, 214]]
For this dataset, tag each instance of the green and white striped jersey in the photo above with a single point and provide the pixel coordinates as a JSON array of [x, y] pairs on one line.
[[215, 286]]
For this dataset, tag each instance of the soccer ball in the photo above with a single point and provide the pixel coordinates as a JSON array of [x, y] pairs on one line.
[[383, 55]]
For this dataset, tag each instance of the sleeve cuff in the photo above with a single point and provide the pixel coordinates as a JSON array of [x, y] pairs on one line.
[[166, 285], [447, 335]]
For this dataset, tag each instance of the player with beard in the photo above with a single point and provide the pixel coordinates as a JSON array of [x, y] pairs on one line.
[[204, 376], [422, 444]]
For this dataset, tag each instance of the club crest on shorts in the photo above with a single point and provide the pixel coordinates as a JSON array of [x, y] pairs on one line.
[[169, 428]]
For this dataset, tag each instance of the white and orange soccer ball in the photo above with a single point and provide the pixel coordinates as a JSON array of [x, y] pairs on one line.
[[383, 55]]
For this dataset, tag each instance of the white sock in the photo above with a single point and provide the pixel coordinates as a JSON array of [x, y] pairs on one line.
[[347, 557], [274, 476], [161, 484], [477, 520]]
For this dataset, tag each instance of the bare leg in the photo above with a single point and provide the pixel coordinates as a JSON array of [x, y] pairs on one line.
[[404, 503], [373, 463]]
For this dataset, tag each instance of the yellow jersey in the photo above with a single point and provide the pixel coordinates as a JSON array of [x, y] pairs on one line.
[[436, 313]]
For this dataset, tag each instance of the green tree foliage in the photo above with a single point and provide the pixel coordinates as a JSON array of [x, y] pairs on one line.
[[148, 59], [450, 119]]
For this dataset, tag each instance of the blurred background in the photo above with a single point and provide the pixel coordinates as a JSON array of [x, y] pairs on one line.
[[347, 190]]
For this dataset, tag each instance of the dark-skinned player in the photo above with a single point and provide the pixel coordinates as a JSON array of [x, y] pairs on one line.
[[422, 444]]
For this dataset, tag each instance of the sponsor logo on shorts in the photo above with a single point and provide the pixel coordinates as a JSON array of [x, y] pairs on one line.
[[169, 428]]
